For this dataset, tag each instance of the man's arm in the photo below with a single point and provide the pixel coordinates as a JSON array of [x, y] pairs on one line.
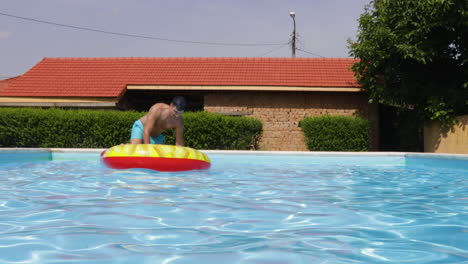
[[180, 133]]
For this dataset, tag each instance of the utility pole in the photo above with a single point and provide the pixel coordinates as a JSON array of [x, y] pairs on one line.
[[293, 42]]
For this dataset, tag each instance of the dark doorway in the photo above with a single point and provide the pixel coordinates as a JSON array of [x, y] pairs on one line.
[[399, 130], [387, 127], [142, 100]]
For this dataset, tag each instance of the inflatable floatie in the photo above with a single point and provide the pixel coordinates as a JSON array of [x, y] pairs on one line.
[[155, 157]]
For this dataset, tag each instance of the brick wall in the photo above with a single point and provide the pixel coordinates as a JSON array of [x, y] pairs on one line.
[[282, 111]]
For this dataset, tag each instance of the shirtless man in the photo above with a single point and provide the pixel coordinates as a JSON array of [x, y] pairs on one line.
[[160, 117]]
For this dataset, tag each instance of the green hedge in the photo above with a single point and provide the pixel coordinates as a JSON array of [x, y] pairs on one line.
[[59, 128], [214, 131], [336, 133]]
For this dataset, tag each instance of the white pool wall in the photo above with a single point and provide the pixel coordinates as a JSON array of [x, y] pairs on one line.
[[64, 153]]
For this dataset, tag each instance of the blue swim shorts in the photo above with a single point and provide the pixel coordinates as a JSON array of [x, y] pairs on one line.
[[137, 132]]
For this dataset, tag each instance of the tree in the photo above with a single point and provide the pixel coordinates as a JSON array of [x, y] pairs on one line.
[[413, 54]]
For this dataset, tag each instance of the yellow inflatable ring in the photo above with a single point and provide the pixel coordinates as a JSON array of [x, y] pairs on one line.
[[155, 157]]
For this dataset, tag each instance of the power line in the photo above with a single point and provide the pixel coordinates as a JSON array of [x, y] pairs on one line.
[[310, 53], [275, 49], [299, 40], [139, 36]]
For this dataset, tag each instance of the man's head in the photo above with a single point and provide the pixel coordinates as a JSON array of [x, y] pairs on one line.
[[179, 103]]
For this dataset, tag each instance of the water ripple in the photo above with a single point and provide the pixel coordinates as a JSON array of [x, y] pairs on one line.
[[83, 212]]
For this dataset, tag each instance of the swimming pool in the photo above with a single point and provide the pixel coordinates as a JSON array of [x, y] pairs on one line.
[[63, 207]]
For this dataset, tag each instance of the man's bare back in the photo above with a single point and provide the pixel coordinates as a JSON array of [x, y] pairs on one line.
[[159, 118], [162, 119]]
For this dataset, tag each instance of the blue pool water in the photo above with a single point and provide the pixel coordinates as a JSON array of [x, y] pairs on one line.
[[245, 209]]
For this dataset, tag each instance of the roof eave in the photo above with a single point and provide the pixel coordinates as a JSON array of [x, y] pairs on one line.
[[243, 88], [28, 101]]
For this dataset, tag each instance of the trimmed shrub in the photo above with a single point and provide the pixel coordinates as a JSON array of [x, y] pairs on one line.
[[32, 127], [336, 133], [45, 128], [205, 130]]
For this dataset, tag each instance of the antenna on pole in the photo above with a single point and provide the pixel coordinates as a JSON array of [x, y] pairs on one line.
[[293, 41]]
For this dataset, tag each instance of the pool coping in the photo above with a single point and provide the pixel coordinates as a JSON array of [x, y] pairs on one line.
[[260, 152]]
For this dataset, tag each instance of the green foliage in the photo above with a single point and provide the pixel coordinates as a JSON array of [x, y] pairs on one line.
[[30, 127], [205, 130], [414, 55], [336, 133]]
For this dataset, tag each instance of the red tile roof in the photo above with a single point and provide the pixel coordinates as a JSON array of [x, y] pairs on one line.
[[108, 77], [4, 83]]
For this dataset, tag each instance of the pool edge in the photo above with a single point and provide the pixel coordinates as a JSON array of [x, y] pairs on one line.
[[260, 152]]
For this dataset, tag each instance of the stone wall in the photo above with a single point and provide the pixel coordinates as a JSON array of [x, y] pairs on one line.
[[282, 111]]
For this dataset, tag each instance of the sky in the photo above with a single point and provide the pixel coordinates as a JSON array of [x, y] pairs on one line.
[[31, 30]]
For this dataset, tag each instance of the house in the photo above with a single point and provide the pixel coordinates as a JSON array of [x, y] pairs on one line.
[[278, 91]]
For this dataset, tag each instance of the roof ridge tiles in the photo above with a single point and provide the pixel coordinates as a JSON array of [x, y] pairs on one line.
[[201, 58]]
